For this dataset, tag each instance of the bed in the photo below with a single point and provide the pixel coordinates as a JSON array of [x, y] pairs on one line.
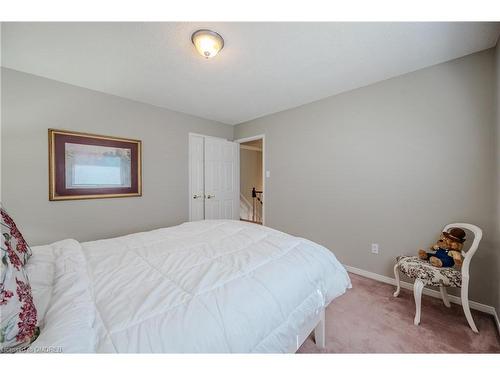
[[199, 287]]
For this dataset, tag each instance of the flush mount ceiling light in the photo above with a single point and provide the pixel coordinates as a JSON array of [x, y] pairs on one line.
[[207, 42]]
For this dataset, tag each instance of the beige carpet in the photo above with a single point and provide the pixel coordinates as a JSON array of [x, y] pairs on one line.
[[368, 319]]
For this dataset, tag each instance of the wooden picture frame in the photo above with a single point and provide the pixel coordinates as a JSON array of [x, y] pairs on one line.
[[91, 166]]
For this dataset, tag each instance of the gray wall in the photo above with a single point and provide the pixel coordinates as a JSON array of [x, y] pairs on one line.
[[390, 163], [33, 104]]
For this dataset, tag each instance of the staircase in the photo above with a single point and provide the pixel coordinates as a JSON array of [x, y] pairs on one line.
[[245, 209], [252, 212]]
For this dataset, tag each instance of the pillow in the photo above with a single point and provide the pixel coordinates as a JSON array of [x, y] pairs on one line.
[[69, 322], [18, 315], [17, 248], [40, 270]]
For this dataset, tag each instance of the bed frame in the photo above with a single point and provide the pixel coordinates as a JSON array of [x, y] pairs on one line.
[[318, 326]]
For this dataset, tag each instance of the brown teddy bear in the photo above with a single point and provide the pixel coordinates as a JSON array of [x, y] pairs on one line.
[[448, 249]]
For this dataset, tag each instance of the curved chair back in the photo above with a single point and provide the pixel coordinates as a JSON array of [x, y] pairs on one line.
[[478, 234]]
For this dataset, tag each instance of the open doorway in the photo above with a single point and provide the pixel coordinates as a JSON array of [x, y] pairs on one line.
[[252, 198]]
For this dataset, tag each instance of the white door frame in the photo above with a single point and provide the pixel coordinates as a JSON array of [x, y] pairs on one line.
[[190, 183], [254, 138], [189, 168]]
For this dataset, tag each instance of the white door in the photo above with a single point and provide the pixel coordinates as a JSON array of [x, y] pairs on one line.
[[214, 179], [196, 177], [221, 179]]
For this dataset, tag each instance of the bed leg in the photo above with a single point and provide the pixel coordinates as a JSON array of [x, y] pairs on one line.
[[319, 332]]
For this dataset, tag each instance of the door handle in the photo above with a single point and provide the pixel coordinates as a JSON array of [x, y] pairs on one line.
[[210, 196], [196, 196]]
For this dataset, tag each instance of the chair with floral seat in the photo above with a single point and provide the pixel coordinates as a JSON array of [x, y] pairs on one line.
[[425, 274]]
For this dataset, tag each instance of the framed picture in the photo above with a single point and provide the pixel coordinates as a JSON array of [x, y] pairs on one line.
[[90, 166]]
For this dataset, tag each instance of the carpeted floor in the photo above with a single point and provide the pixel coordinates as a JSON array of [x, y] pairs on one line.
[[368, 319]]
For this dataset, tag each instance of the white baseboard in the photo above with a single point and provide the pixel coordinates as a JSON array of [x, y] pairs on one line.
[[429, 292]]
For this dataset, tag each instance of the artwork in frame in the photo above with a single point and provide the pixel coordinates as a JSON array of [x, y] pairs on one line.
[[90, 166]]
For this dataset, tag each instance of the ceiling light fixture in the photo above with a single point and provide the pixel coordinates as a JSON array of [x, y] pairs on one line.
[[207, 42]]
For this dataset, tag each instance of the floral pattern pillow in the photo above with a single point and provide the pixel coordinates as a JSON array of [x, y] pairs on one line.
[[18, 315], [17, 249]]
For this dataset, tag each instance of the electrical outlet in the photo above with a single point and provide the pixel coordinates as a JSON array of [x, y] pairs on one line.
[[375, 248]]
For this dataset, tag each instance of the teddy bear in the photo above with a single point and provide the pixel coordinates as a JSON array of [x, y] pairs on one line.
[[448, 249]]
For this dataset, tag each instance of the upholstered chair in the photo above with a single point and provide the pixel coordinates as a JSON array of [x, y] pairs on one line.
[[425, 274]]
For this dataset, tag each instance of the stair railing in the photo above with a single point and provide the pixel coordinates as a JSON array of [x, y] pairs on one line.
[[257, 205]]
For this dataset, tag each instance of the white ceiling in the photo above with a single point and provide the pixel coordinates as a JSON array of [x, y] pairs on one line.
[[263, 68]]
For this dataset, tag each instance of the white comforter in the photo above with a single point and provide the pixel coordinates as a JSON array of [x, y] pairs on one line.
[[209, 286]]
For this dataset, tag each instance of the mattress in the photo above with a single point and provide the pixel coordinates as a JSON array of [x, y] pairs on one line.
[[200, 287]]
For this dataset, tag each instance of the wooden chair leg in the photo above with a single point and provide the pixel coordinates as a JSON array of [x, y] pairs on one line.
[[465, 305], [444, 296], [417, 294], [396, 276]]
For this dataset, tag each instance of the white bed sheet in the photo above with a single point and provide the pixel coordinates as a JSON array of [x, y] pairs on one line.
[[200, 287]]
